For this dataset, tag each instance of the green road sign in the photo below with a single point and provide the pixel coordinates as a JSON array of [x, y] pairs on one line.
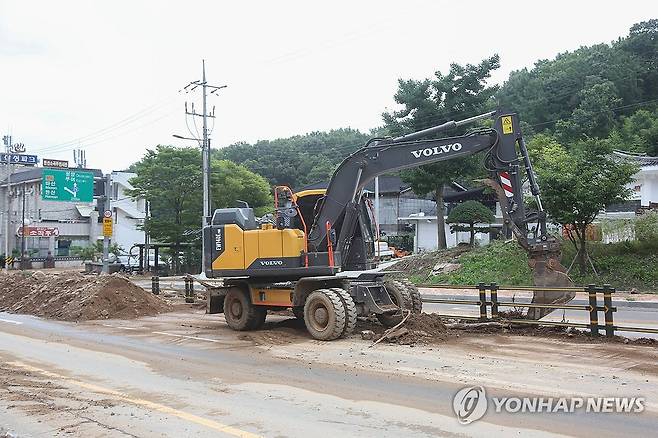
[[67, 185]]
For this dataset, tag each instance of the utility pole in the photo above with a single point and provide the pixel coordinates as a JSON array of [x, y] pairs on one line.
[[145, 262], [7, 140], [205, 145], [106, 239], [205, 150], [23, 231]]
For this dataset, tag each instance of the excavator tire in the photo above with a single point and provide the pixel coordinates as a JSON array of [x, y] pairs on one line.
[[401, 297], [350, 311], [324, 315], [240, 314], [416, 301]]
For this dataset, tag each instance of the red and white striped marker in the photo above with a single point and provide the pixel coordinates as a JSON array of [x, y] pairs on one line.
[[506, 182]]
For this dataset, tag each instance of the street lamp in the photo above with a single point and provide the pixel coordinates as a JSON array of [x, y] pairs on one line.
[[185, 138]]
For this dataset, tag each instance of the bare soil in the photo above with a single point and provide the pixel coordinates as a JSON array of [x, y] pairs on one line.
[[71, 296], [422, 264], [432, 329]]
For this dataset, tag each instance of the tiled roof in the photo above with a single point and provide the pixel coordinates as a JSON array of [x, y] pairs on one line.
[[641, 159]]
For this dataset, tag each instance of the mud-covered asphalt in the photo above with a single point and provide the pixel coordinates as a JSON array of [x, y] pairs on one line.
[[187, 374]]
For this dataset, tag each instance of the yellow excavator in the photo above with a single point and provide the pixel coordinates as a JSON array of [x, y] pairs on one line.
[[316, 254]]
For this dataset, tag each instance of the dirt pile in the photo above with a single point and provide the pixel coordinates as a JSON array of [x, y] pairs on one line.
[[422, 265], [76, 297], [423, 328]]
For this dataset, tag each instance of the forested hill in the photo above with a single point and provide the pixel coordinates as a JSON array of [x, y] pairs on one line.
[[606, 91], [299, 160]]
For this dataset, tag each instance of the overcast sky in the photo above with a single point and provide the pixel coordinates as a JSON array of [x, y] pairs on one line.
[[105, 76]]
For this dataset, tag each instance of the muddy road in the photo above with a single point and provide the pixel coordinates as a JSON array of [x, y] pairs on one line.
[[187, 374]]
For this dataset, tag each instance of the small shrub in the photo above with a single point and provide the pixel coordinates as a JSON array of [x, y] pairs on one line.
[[646, 228]]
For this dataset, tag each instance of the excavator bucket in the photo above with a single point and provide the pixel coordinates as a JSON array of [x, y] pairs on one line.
[[549, 276]]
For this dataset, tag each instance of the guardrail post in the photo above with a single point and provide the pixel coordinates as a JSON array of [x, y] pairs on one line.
[[189, 290], [493, 287], [155, 285], [593, 310], [609, 310], [483, 301]]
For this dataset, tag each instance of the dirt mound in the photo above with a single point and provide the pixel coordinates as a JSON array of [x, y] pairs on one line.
[[76, 297], [421, 265], [423, 328]]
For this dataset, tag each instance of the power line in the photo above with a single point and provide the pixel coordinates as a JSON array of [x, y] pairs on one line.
[[121, 123], [109, 137]]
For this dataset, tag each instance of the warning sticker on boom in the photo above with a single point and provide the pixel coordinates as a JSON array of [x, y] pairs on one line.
[[507, 125]]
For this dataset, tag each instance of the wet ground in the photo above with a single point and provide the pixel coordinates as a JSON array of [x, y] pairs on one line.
[[187, 374]]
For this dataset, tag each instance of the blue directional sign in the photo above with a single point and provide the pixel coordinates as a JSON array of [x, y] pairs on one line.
[[25, 159]]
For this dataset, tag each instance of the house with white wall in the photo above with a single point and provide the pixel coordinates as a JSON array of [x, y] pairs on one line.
[[128, 213], [644, 188]]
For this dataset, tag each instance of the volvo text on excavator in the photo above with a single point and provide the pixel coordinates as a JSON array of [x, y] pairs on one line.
[[316, 254]]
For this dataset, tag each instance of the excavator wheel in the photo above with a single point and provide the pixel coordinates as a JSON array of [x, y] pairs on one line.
[[240, 314], [324, 315], [298, 311], [416, 301], [401, 297], [350, 311]]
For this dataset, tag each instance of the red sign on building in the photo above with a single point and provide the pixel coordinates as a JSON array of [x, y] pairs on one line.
[[38, 231]]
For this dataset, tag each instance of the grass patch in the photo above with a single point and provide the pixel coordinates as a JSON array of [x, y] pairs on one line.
[[499, 262], [624, 265]]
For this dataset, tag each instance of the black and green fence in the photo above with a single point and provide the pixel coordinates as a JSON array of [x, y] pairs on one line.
[[599, 300]]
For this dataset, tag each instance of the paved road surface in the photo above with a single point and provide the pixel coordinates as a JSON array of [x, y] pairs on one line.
[[189, 375]]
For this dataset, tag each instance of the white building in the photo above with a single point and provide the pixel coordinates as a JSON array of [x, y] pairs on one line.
[[645, 183], [128, 212], [426, 238]]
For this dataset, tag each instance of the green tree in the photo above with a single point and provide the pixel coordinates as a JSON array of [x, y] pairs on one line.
[[94, 252], [462, 92], [579, 183], [170, 179], [586, 90], [638, 132], [642, 45], [231, 182], [470, 213], [594, 116], [299, 160]]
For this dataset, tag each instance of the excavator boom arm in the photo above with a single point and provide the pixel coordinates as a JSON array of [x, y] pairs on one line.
[[507, 158], [503, 142]]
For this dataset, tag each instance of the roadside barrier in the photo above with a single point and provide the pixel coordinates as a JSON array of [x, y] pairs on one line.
[[189, 290], [155, 285], [594, 306]]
